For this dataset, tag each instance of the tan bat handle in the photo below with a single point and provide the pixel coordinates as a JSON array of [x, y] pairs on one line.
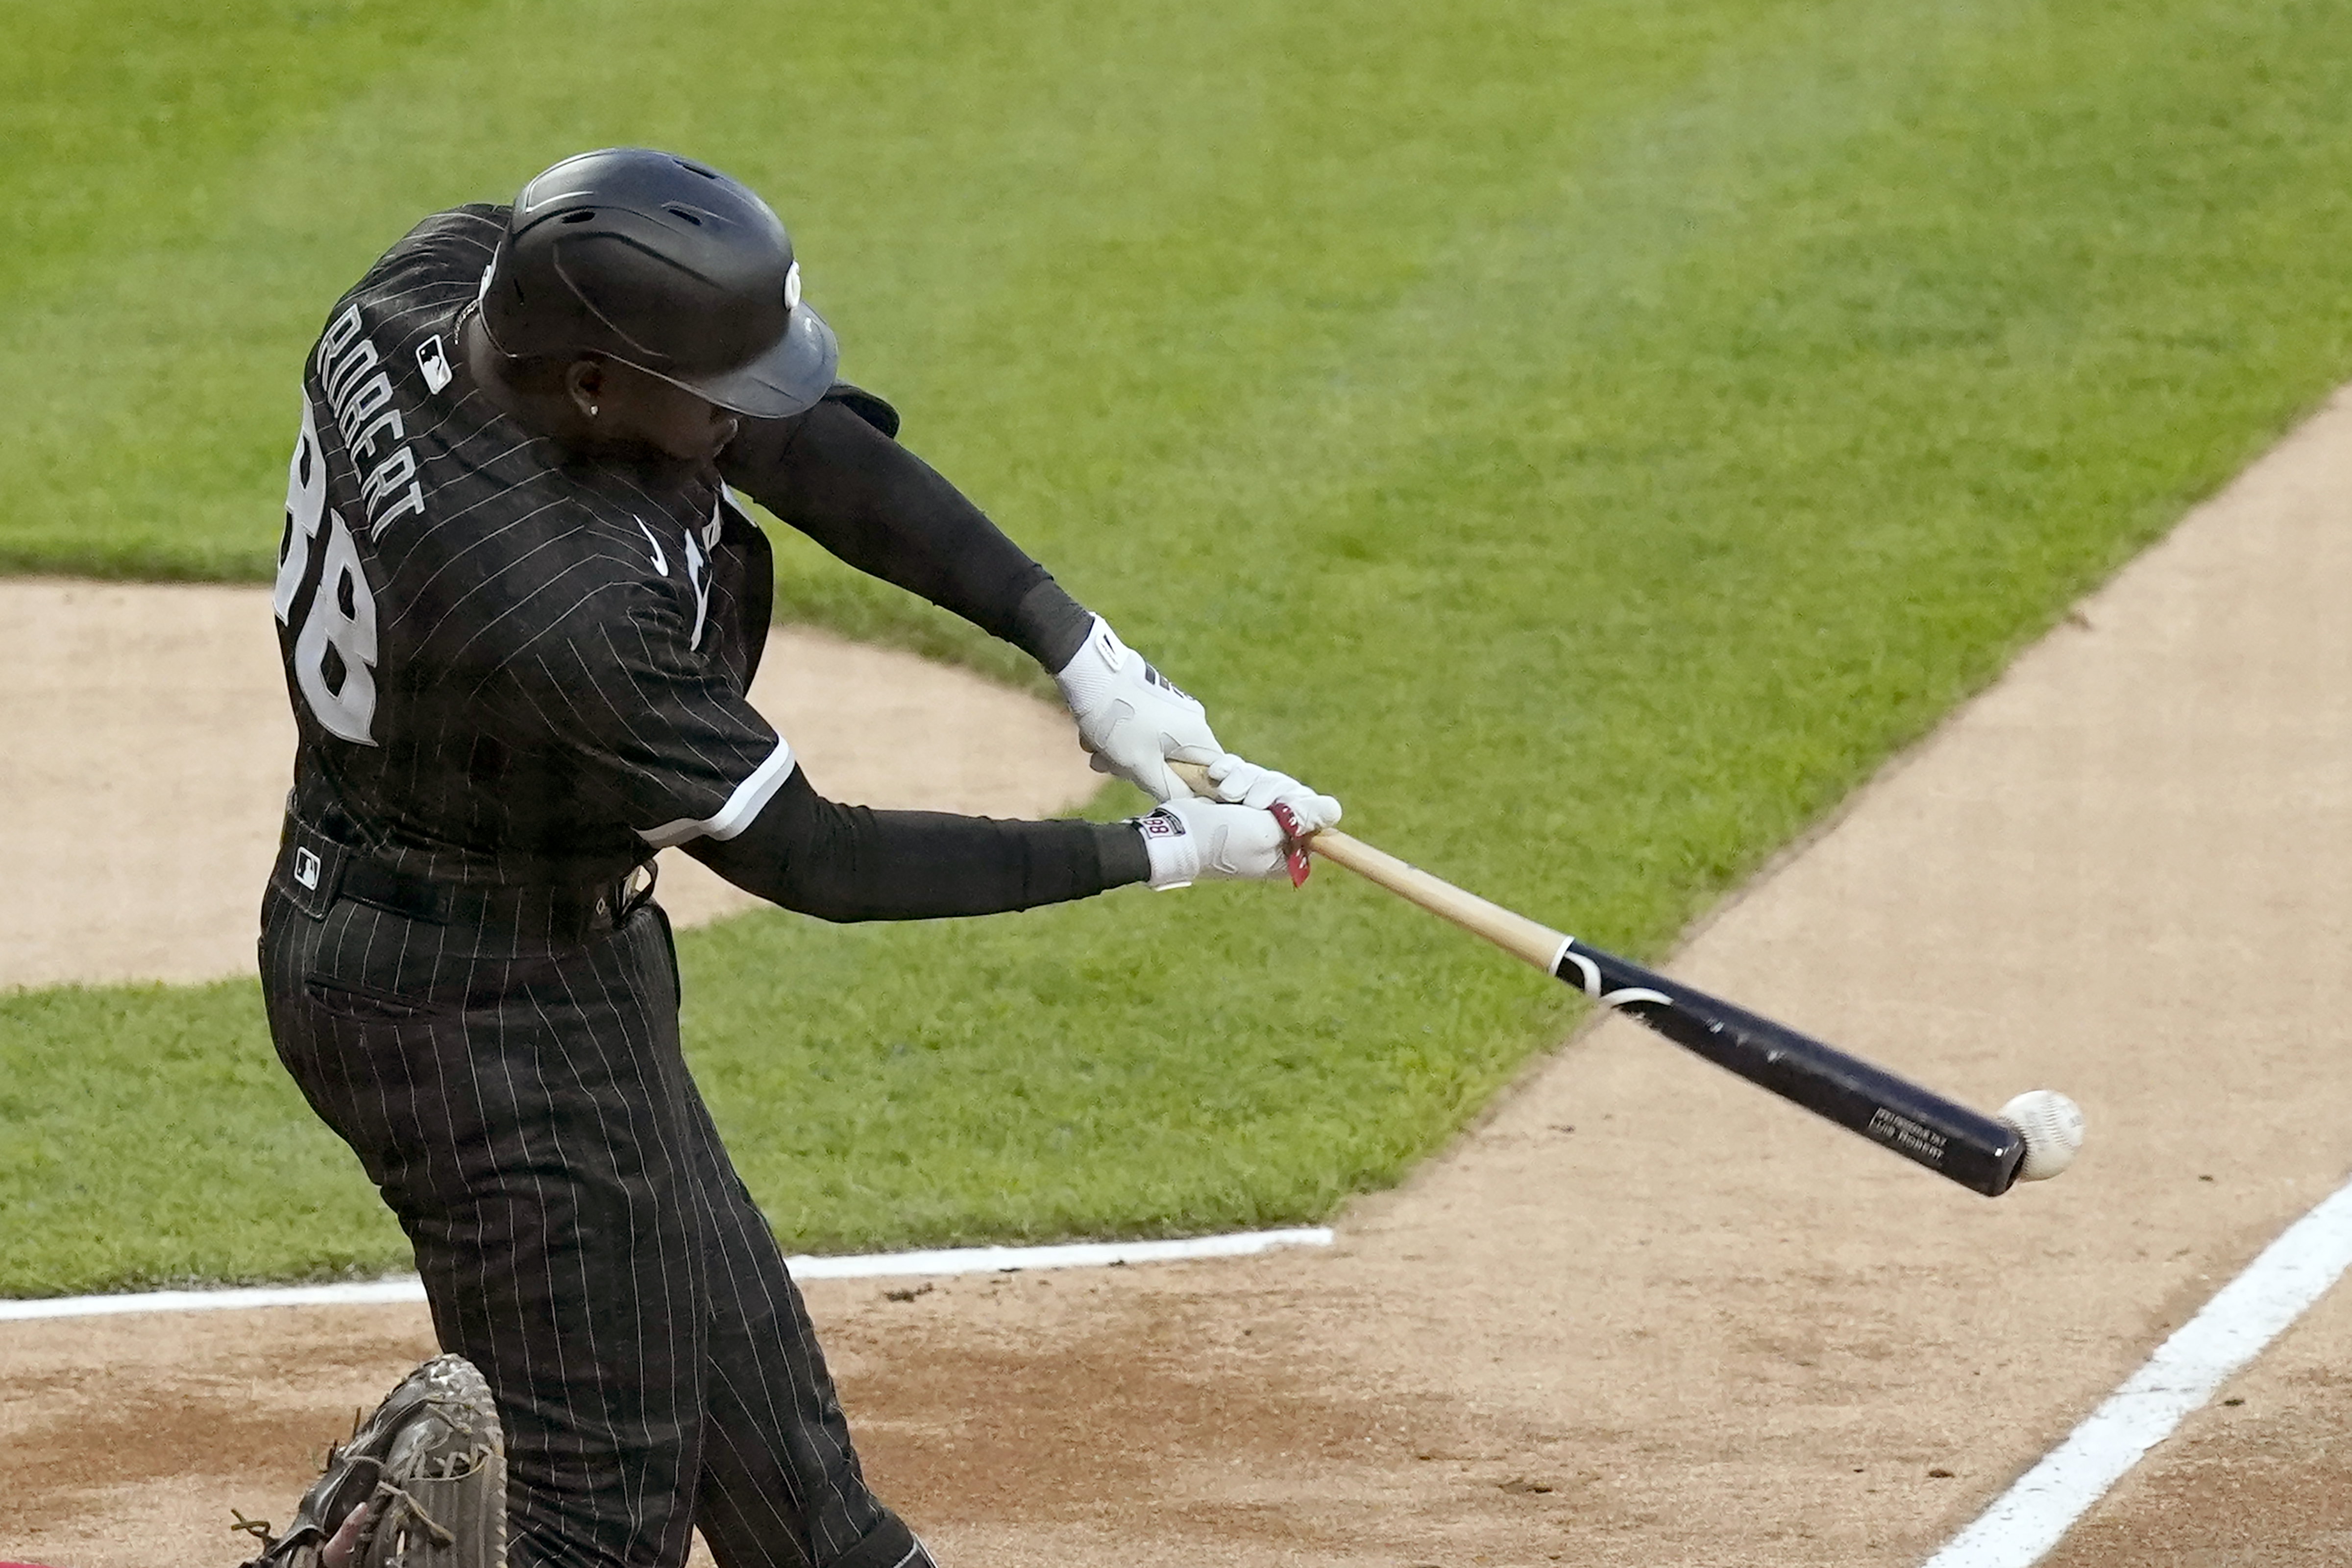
[[1515, 933]]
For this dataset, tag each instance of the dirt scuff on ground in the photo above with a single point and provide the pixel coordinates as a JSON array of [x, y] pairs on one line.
[[133, 1439], [1230, 1436]]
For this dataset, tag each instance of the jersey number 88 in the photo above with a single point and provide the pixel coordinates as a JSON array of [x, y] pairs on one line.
[[335, 651]]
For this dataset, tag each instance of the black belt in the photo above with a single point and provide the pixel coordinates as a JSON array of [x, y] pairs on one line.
[[315, 870]]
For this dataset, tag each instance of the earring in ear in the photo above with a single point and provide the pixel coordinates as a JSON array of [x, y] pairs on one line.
[[592, 411]]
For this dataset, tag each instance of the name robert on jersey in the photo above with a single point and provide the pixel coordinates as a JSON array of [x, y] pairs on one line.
[[362, 405]]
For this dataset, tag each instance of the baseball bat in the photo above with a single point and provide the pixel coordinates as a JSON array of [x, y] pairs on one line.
[[1964, 1145]]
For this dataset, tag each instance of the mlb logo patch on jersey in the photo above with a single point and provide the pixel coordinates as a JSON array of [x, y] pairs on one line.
[[432, 362], [306, 867]]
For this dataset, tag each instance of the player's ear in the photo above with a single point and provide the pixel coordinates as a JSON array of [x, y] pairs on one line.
[[584, 384]]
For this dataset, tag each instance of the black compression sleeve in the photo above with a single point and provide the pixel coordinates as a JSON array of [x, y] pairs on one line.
[[851, 863], [1050, 625], [833, 477]]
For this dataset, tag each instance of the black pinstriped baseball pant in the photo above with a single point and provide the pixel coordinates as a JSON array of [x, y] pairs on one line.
[[520, 1101]]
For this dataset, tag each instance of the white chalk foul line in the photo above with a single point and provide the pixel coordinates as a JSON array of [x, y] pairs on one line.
[[2031, 1518], [879, 1265]]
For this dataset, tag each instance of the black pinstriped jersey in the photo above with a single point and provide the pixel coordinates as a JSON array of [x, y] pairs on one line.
[[507, 665]]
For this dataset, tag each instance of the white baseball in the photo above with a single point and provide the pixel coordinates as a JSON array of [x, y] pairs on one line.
[[2052, 1126]]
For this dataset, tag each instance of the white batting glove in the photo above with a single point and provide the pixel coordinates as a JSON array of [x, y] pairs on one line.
[[1244, 783], [1131, 719], [1191, 839]]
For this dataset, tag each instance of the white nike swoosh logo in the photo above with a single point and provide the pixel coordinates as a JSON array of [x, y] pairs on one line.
[[661, 562]]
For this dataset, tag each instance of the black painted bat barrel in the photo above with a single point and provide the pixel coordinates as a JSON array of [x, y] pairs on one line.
[[1963, 1145]]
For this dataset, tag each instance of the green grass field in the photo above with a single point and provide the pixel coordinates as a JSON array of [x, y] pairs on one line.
[[1586, 438]]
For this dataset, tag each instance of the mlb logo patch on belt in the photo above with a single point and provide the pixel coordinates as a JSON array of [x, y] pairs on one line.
[[308, 866]]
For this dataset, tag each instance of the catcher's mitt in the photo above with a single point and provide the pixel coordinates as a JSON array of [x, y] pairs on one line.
[[432, 1466]]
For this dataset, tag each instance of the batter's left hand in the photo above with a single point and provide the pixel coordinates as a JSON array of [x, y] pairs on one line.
[[1131, 717]]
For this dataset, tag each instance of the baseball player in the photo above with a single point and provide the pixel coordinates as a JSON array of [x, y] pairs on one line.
[[520, 609]]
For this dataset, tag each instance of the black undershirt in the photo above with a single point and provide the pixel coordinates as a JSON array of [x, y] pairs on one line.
[[853, 862], [836, 475]]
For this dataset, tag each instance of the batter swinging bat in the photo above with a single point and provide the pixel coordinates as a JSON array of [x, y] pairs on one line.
[[2036, 1136]]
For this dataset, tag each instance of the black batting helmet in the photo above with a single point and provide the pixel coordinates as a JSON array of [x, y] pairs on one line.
[[661, 263]]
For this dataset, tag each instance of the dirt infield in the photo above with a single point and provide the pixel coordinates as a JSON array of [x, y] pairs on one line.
[[2259, 1479], [159, 712], [1642, 1314]]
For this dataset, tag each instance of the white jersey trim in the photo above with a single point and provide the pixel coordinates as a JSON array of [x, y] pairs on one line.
[[751, 796]]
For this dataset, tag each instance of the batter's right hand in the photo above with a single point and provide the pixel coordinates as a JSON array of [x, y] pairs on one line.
[[1242, 782], [1191, 839]]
